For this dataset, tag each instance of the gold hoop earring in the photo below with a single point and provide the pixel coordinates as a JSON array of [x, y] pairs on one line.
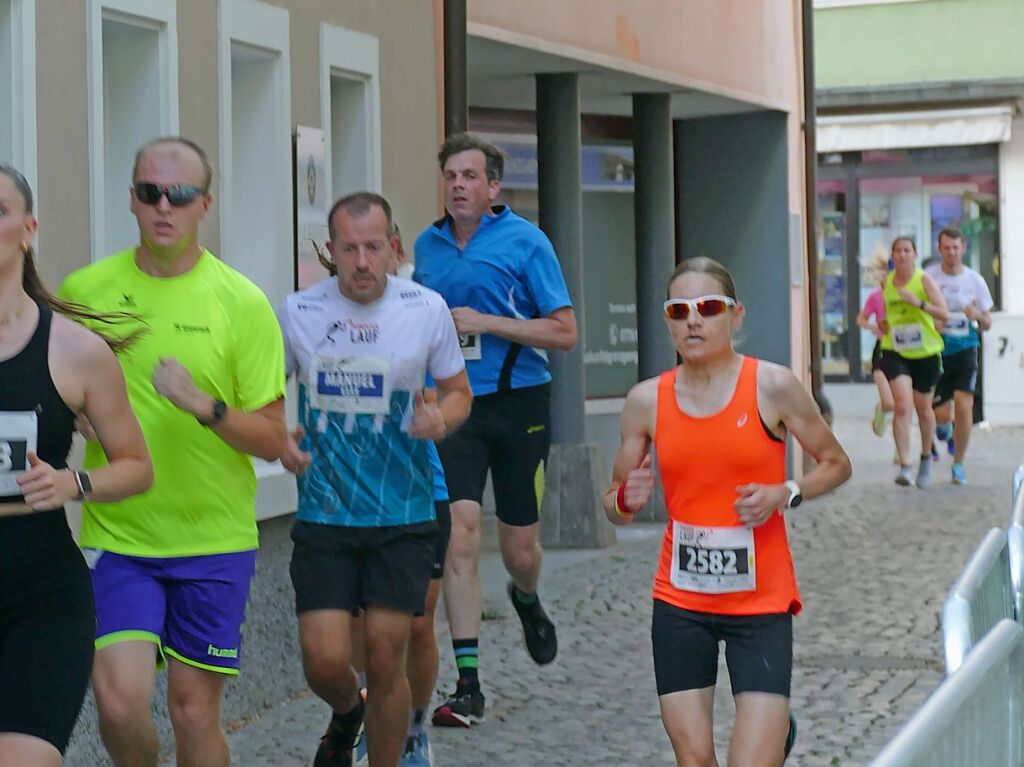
[[24, 248]]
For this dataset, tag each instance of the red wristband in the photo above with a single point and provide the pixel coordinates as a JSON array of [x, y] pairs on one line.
[[620, 502]]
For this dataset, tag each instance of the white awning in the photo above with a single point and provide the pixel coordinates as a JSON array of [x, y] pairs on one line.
[[904, 130]]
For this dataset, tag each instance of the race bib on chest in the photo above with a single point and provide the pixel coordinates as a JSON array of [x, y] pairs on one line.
[[958, 325], [470, 345], [18, 434], [713, 560], [906, 337], [350, 385]]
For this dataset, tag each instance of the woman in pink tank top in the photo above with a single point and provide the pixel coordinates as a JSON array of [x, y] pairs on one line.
[[719, 422]]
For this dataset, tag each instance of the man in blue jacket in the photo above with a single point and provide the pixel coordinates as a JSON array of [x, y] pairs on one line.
[[501, 278]]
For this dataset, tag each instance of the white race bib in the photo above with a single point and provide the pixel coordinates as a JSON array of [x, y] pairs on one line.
[[470, 345], [958, 325], [907, 337], [713, 560], [350, 385], [18, 434]]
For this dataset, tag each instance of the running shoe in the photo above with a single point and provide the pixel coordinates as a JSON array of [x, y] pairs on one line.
[[464, 708], [336, 747], [790, 737], [951, 446], [905, 477], [417, 751], [878, 422], [944, 431], [538, 630], [959, 475], [924, 473]]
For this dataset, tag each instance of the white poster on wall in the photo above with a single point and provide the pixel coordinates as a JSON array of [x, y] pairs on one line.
[[310, 206]]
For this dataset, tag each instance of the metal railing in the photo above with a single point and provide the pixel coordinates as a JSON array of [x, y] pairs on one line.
[[967, 721], [1015, 545], [980, 598]]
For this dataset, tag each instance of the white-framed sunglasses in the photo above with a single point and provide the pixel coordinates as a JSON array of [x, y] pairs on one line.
[[705, 306]]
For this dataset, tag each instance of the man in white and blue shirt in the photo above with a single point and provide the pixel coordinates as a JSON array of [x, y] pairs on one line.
[[970, 303], [361, 345]]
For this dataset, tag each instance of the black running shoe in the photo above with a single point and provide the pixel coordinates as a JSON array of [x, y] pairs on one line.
[[336, 746], [464, 708], [790, 737], [538, 630]]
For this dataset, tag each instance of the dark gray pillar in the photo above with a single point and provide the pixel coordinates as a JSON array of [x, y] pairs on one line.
[[456, 99], [576, 473], [561, 218], [734, 207], [655, 228]]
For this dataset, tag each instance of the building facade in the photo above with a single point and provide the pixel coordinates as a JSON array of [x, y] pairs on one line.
[[919, 128]]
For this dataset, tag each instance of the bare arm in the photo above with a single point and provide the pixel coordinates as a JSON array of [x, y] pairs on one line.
[[785, 402], [936, 305], [868, 325], [556, 331], [89, 377], [632, 460], [436, 417], [261, 432]]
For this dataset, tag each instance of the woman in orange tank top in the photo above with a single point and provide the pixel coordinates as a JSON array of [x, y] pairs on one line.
[[719, 423]]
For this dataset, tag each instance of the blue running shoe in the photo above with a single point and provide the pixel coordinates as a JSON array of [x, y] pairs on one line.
[[944, 431], [959, 475], [362, 756], [417, 751], [951, 446]]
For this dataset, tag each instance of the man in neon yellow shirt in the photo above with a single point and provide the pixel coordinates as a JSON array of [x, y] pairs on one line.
[[171, 567]]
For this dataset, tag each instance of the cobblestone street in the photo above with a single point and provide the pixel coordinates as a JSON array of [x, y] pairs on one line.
[[874, 562]]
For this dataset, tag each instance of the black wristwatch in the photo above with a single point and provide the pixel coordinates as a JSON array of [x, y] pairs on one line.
[[84, 485], [795, 496], [220, 409]]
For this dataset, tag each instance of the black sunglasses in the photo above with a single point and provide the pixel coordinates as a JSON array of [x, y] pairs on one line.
[[178, 195]]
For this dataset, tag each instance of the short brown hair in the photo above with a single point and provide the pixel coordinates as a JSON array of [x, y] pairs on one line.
[[359, 204], [181, 141], [457, 143], [952, 233], [708, 266]]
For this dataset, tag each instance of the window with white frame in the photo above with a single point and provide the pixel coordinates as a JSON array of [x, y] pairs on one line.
[[133, 97], [17, 86], [255, 146], [350, 109], [256, 213]]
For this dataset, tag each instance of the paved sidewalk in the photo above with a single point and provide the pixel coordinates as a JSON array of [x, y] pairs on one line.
[[874, 562]]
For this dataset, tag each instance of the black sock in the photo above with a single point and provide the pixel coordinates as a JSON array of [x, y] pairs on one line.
[[467, 659], [349, 721]]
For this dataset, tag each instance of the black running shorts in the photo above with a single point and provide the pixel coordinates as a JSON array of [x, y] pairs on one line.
[[924, 372], [758, 650], [443, 511], [959, 373], [47, 627], [509, 433], [352, 568]]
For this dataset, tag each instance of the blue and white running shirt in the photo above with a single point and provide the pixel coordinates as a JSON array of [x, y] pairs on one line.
[[358, 367]]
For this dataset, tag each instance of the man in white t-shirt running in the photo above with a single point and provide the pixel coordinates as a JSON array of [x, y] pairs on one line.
[[361, 344], [969, 302]]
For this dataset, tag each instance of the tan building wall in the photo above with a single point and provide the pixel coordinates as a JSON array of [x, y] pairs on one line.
[[749, 50], [409, 97]]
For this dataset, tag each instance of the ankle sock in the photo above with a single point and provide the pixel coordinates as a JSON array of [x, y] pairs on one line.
[[523, 598], [416, 721], [467, 659]]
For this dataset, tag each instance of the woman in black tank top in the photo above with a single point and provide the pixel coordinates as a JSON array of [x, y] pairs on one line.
[[51, 370]]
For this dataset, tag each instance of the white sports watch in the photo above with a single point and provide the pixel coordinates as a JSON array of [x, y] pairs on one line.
[[795, 496]]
